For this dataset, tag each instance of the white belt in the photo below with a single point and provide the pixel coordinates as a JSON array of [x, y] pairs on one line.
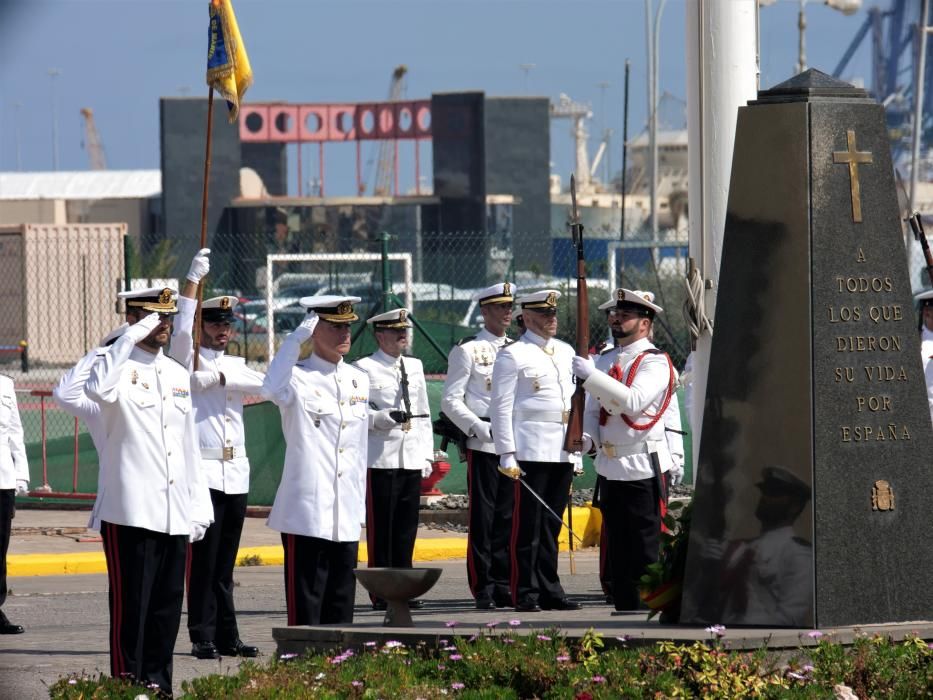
[[225, 453], [638, 448], [542, 416]]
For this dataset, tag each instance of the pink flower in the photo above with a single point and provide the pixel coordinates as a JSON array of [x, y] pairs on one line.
[[457, 686], [456, 657], [815, 634], [598, 679], [492, 624], [563, 657], [544, 638], [515, 623], [718, 630], [452, 623], [356, 684]]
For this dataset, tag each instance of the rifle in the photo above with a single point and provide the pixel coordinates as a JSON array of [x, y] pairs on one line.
[[406, 399], [573, 439], [916, 225]]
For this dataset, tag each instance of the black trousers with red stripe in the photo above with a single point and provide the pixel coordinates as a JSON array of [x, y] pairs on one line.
[[393, 499], [320, 587], [7, 511], [632, 514], [146, 570], [211, 613], [535, 532], [492, 497]]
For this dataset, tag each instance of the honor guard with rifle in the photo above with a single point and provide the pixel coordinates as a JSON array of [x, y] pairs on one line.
[[532, 385], [320, 503], [401, 444], [219, 386], [925, 300], [153, 498], [672, 430], [467, 393], [629, 391]]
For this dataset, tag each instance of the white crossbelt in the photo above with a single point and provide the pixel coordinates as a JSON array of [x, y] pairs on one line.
[[224, 453], [639, 448], [542, 416]]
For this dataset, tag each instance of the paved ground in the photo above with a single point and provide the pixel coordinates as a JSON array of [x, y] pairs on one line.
[[66, 616]]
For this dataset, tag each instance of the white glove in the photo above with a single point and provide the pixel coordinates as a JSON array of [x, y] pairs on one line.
[[204, 379], [427, 469], [677, 472], [142, 328], [383, 419], [587, 443], [576, 459], [115, 333], [583, 367], [304, 331], [508, 465], [22, 487], [200, 265], [197, 532], [482, 430]]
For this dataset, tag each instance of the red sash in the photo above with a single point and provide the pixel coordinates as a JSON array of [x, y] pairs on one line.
[[616, 373]]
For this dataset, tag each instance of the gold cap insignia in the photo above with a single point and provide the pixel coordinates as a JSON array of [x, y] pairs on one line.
[[620, 295], [402, 316], [506, 288], [551, 299], [344, 308], [165, 296], [225, 303]]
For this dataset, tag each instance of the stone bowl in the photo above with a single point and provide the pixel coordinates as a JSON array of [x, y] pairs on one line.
[[397, 587]]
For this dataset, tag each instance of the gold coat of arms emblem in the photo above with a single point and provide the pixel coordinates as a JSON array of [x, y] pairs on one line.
[[882, 496]]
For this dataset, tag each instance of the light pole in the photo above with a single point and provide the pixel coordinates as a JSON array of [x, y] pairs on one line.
[[654, 38], [17, 106], [53, 74], [918, 103], [526, 67]]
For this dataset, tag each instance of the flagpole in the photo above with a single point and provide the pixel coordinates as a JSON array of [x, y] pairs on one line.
[[196, 331]]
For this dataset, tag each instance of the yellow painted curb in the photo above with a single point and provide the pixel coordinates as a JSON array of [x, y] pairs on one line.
[[427, 549], [581, 519]]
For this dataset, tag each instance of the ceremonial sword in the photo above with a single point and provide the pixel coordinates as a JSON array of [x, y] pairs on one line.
[[548, 508]]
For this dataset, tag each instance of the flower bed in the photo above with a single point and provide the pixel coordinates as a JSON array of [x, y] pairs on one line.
[[546, 665]]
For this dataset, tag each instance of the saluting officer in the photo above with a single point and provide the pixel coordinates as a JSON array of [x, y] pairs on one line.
[[401, 444], [14, 479], [532, 386], [320, 503], [467, 393], [629, 391], [218, 390], [153, 497]]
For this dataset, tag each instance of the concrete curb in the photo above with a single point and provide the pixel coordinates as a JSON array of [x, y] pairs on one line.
[[426, 549]]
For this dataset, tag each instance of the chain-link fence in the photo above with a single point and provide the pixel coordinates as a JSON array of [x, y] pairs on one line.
[[58, 286]]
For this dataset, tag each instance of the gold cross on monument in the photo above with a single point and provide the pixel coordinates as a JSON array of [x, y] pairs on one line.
[[852, 158]]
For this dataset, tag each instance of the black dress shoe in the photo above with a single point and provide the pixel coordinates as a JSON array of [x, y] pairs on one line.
[[502, 601], [527, 606], [238, 648], [485, 604], [204, 650], [415, 604], [380, 605], [7, 627], [560, 604]]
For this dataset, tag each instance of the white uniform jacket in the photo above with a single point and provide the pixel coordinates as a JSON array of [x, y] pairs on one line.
[[150, 462], [623, 452], [926, 350], [13, 464], [71, 396], [468, 388], [396, 448], [673, 427], [532, 383], [218, 411], [325, 420]]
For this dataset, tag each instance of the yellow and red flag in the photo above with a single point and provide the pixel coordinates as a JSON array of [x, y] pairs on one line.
[[228, 70]]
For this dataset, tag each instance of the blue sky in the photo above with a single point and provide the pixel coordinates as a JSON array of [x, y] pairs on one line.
[[119, 56]]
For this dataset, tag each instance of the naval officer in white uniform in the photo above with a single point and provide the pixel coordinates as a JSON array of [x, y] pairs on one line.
[[14, 479], [401, 443], [321, 500], [925, 299], [218, 390], [629, 390], [467, 393], [153, 497], [532, 384]]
